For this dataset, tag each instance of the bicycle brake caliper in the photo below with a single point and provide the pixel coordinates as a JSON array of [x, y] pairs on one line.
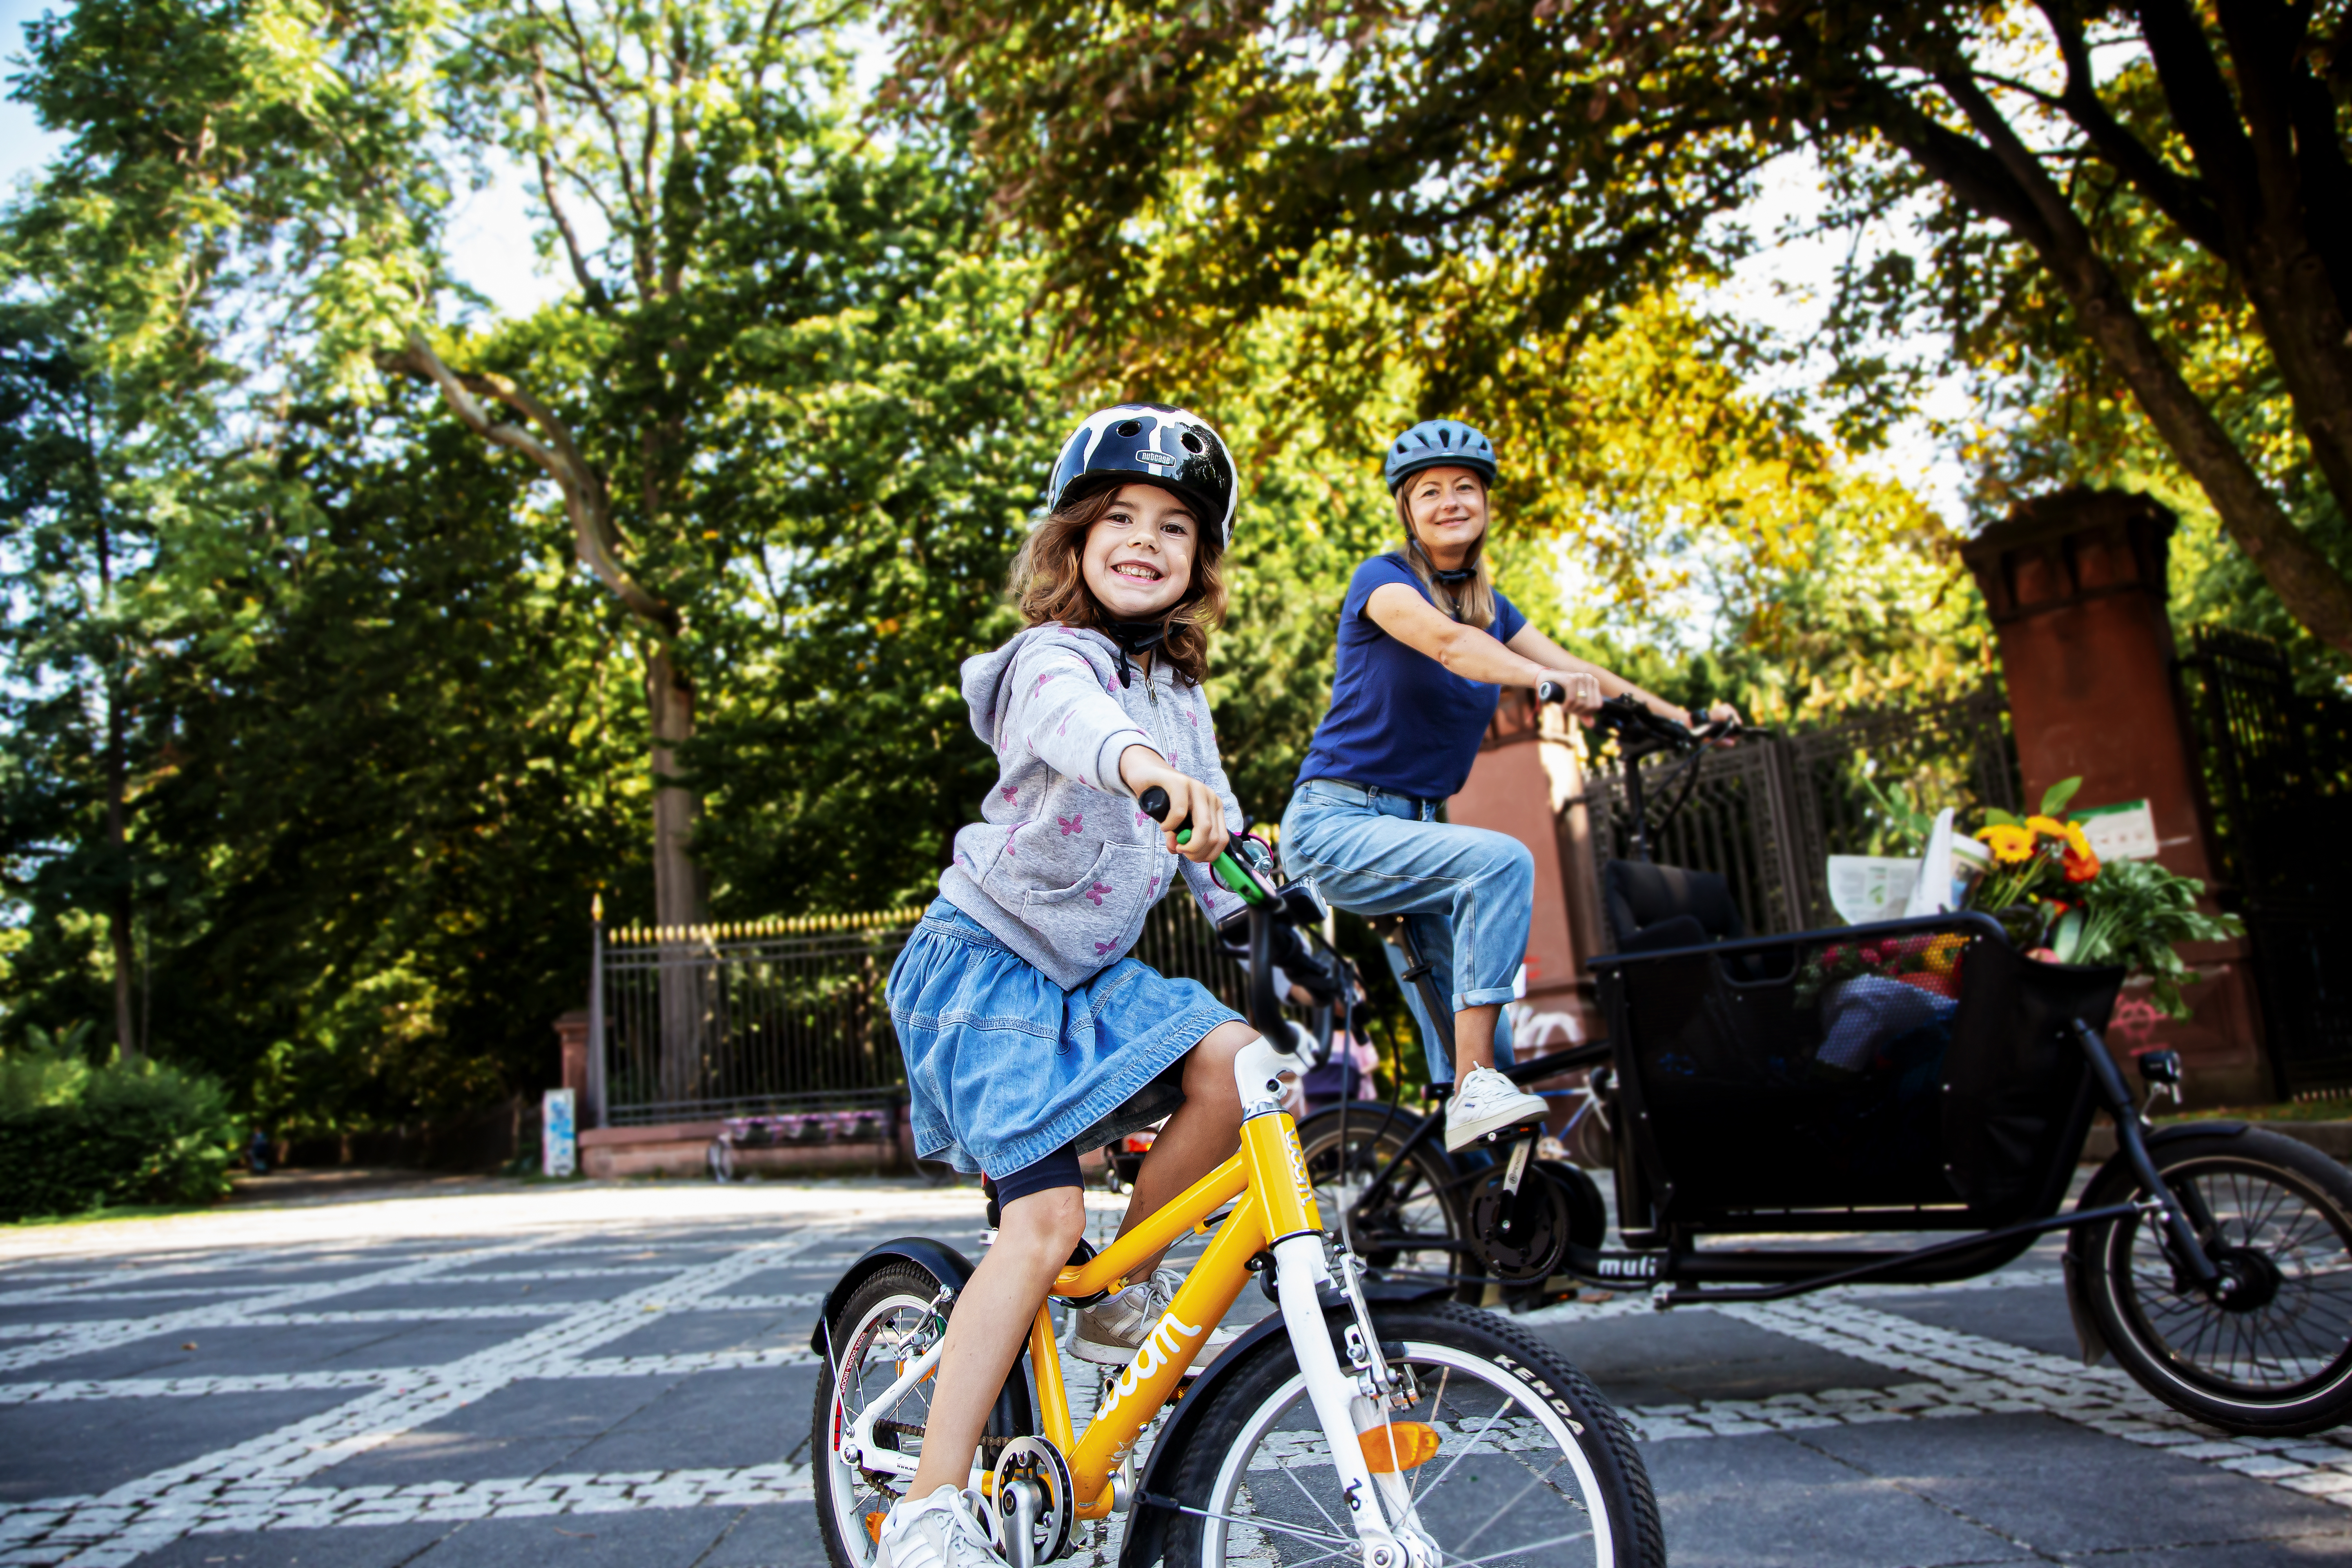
[[1374, 1377]]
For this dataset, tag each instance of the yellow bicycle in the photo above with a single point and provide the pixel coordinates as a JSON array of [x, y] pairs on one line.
[[1402, 1434]]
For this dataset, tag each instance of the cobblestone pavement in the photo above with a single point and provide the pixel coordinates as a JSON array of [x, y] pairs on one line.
[[620, 1377]]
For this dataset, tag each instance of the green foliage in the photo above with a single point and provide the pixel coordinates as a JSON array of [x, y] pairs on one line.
[[1501, 177], [75, 1138], [2134, 913]]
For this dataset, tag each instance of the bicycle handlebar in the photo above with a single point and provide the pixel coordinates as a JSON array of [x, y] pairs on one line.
[[1264, 907], [1632, 720]]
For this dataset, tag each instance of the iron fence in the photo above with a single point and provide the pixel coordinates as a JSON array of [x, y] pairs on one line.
[[2278, 766], [1767, 814], [787, 1016]]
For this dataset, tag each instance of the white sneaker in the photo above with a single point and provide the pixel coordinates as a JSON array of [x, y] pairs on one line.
[[938, 1531], [1485, 1101], [1112, 1329]]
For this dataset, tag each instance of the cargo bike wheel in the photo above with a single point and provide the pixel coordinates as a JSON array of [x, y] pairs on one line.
[[1420, 1227], [2273, 1355], [1530, 1466]]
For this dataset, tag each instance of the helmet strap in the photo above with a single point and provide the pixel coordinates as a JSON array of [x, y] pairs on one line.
[[1134, 638], [1460, 576]]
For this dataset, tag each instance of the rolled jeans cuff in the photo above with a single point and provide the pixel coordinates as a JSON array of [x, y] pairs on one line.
[[1493, 995]]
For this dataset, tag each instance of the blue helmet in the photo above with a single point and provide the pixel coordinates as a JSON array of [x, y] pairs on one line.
[[1438, 443]]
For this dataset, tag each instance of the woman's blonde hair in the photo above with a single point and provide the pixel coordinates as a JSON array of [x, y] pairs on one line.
[[1472, 603], [1049, 584]]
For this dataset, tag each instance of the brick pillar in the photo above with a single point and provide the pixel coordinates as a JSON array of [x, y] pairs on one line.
[[2075, 583], [571, 1035], [1526, 774]]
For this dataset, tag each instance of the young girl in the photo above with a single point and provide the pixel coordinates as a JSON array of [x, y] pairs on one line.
[[1030, 1036]]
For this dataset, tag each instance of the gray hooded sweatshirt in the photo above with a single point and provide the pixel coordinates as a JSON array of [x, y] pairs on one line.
[[1064, 865]]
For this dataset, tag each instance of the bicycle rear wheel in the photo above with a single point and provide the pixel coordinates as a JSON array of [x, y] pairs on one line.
[[1420, 1226], [1533, 1467], [887, 1322]]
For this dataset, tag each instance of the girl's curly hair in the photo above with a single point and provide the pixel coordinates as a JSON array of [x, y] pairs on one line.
[[1048, 585]]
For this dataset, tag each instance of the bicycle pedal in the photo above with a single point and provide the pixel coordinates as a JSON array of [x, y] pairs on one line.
[[1512, 1134]]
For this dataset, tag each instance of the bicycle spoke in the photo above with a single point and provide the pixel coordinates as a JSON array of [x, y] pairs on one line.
[[1584, 1534], [1317, 1507]]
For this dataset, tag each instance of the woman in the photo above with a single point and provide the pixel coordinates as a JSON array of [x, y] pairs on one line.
[[1427, 644]]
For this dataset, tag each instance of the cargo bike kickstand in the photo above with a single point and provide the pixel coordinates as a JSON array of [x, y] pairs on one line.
[[1339, 1427]]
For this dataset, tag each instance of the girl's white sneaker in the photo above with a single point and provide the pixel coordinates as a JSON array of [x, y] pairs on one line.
[[1485, 1101], [937, 1531]]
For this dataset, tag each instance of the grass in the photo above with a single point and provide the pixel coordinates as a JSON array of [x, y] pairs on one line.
[[2332, 1108], [126, 1211]]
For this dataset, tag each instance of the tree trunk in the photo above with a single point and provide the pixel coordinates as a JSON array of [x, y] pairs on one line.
[[119, 914], [2038, 212], [680, 899], [680, 896]]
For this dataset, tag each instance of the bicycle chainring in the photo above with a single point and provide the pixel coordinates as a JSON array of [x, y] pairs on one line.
[[1035, 1462]]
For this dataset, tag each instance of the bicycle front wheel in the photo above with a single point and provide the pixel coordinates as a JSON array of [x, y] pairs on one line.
[[1533, 1467], [2274, 1357], [1418, 1226]]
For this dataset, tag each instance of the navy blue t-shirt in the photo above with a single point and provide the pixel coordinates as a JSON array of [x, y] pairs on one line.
[[1399, 719]]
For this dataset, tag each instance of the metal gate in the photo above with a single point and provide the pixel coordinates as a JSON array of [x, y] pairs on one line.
[[2278, 767], [767, 1017], [1768, 814]]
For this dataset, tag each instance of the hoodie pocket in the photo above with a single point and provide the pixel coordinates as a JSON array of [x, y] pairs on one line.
[[1093, 919]]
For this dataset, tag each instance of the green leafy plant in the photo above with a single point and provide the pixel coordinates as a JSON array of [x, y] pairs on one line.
[[2131, 914], [76, 1137]]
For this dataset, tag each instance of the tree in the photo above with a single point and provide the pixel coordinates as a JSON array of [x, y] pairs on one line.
[[1507, 170], [69, 559]]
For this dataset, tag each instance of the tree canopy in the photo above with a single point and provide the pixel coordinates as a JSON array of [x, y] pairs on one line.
[[2093, 183]]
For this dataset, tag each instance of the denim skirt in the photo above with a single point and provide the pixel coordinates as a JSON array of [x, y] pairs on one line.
[[1004, 1066]]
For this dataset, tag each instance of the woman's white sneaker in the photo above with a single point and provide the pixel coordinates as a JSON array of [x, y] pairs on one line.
[[937, 1531], [1485, 1101]]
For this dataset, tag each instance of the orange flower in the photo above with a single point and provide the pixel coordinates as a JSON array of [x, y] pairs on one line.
[[2082, 866]]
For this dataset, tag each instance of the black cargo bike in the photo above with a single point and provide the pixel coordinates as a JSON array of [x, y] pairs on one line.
[[1795, 1085]]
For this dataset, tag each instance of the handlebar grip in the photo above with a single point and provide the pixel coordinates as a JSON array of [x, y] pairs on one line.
[[1550, 691], [1154, 804]]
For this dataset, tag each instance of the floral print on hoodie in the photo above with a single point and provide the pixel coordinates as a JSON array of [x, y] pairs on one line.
[[1063, 866]]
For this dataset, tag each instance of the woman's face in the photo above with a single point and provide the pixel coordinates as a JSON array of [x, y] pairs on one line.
[[1449, 512], [1138, 554]]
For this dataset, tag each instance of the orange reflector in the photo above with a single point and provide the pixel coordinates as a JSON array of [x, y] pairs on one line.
[[1399, 1446], [874, 1526]]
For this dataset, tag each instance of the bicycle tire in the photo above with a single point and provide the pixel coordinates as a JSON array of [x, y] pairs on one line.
[[845, 1498], [2279, 1363], [1515, 1398], [1429, 1199]]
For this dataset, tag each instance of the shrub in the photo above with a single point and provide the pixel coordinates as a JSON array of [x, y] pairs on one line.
[[75, 1137]]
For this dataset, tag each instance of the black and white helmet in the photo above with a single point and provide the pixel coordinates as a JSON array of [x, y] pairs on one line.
[[1179, 451]]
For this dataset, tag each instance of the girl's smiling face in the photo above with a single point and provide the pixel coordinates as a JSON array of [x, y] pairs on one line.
[[1138, 559], [1449, 512]]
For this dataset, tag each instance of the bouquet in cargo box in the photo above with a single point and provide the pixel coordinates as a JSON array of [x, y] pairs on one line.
[[2057, 899]]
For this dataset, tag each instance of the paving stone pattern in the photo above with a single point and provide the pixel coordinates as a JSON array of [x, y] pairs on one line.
[[639, 1397]]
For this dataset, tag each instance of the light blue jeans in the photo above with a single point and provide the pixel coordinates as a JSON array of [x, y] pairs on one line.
[[1467, 894]]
